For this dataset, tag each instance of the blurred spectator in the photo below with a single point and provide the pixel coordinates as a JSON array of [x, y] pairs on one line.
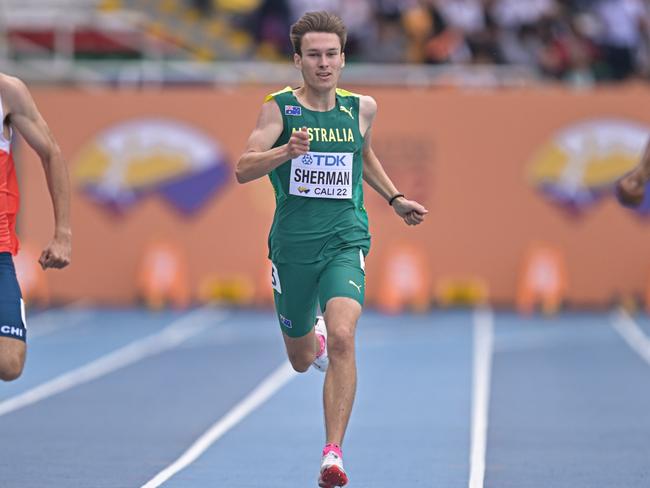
[[462, 31], [270, 27], [582, 56], [362, 31], [622, 34], [520, 27], [452, 23], [392, 42], [512, 14], [203, 6]]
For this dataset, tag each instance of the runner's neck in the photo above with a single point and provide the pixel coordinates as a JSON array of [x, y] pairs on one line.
[[313, 100]]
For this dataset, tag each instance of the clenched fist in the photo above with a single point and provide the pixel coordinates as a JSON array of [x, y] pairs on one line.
[[298, 143]]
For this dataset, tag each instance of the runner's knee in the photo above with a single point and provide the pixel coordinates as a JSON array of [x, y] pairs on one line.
[[300, 361], [340, 342], [11, 367]]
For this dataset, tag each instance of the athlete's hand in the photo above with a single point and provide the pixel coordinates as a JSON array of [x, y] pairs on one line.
[[298, 143], [411, 211], [630, 189], [57, 253]]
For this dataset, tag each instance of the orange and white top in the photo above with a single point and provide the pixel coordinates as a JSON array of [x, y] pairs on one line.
[[9, 195]]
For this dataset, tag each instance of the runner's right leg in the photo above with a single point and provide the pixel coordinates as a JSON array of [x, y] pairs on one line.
[[13, 334], [12, 358], [295, 290]]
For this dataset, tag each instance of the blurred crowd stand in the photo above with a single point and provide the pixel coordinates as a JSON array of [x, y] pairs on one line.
[[581, 42]]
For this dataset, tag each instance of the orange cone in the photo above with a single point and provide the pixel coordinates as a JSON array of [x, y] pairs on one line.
[[405, 281], [543, 279], [163, 277]]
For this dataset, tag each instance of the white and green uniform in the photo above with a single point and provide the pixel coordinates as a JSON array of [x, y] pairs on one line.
[[320, 233]]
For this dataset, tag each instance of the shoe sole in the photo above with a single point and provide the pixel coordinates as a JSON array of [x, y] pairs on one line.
[[331, 477]]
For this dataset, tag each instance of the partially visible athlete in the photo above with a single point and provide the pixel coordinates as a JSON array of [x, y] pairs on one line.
[[630, 189], [314, 142], [18, 112]]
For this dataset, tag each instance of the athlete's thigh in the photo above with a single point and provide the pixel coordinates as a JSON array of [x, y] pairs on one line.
[[13, 334], [295, 290], [344, 276]]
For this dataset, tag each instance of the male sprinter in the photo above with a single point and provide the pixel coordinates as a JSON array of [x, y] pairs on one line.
[[630, 189], [18, 111], [314, 142]]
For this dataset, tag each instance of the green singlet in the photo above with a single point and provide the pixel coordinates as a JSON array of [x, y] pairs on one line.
[[319, 196], [319, 235]]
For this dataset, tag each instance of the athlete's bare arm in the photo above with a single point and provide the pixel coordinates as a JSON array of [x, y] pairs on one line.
[[631, 188], [259, 159], [26, 119], [373, 172]]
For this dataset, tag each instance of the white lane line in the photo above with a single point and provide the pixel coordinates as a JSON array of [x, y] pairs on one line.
[[631, 333], [171, 336], [255, 398], [483, 347]]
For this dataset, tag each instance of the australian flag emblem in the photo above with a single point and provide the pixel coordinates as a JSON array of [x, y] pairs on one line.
[[292, 110]]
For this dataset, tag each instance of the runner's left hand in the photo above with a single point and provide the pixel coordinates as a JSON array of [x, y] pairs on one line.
[[57, 253], [411, 211]]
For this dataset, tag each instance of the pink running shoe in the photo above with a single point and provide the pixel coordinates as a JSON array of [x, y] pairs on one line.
[[332, 473], [322, 361]]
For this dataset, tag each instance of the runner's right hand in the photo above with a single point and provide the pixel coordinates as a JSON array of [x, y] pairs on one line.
[[298, 143], [630, 189]]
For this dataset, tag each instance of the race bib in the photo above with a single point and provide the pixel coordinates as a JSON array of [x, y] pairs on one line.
[[322, 175]]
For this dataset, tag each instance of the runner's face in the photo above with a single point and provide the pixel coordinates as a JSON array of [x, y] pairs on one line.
[[321, 61]]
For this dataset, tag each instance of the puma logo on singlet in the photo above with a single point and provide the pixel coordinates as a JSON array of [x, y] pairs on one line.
[[347, 111], [358, 287]]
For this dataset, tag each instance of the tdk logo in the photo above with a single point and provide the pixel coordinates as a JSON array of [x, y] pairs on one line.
[[325, 159], [10, 330]]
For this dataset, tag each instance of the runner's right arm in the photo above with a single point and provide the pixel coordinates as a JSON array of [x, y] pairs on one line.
[[260, 157]]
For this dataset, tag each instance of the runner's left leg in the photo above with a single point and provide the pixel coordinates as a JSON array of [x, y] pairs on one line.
[[341, 317], [341, 294], [295, 293]]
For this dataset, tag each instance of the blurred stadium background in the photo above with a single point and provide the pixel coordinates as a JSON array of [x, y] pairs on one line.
[[510, 120]]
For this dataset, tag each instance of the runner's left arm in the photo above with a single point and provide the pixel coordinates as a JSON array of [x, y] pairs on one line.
[[26, 119], [373, 172]]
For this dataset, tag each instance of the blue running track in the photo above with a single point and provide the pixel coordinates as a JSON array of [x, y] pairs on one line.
[[110, 398]]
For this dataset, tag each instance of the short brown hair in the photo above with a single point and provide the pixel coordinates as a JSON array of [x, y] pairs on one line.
[[317, 22]]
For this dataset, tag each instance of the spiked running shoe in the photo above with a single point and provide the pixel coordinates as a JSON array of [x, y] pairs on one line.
[[322, 361], [332, 473]]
